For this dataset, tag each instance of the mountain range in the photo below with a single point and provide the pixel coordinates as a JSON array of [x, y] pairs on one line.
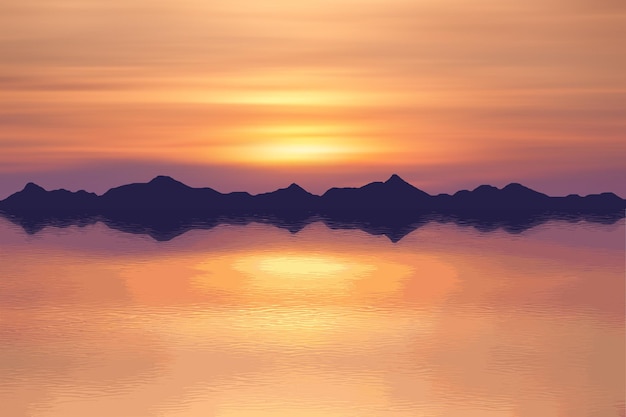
[[164, 193]]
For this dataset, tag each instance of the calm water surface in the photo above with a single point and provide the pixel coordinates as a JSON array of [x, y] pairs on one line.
[[250, 321]]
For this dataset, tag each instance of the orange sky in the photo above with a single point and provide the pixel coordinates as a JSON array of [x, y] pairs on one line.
[[256, 95]]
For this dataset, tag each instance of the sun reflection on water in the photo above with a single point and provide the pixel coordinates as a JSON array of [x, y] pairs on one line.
[[299, 265], [302, 270]]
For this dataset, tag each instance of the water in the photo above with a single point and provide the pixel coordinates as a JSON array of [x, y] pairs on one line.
[[252, 320]]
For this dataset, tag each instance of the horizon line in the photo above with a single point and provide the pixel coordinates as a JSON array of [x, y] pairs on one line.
[[393, 176]]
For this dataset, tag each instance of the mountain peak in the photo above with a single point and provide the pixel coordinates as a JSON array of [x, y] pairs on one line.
[[165, 180], [516, 186], [519, 189], [295, 188], [162, 178], [395, 179], [31, 186], [485, 188]]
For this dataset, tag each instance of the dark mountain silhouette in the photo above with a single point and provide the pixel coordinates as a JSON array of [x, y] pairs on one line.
[[162, 193], [34, 197], [513, 196], [290, 198], [394, 195], [516, 197], [165, 208]]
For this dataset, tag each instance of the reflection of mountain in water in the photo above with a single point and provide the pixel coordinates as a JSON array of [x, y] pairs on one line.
[[164, 226], [165, 208]]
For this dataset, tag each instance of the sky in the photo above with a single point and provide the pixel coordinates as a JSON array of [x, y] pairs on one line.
[[248, 95]]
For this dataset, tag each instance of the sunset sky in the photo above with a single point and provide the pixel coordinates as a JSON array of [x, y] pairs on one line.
[[251, 95]]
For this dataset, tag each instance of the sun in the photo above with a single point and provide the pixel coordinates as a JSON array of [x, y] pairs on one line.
[[286, 153], [293, 144], [301, 152]]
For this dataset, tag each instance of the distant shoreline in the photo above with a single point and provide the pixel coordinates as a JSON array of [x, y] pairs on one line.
[[166, 194], [165, 208]]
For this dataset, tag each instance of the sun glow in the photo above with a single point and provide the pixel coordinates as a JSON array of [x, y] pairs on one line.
[[301, 152], [285, 153], [307, 143]]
